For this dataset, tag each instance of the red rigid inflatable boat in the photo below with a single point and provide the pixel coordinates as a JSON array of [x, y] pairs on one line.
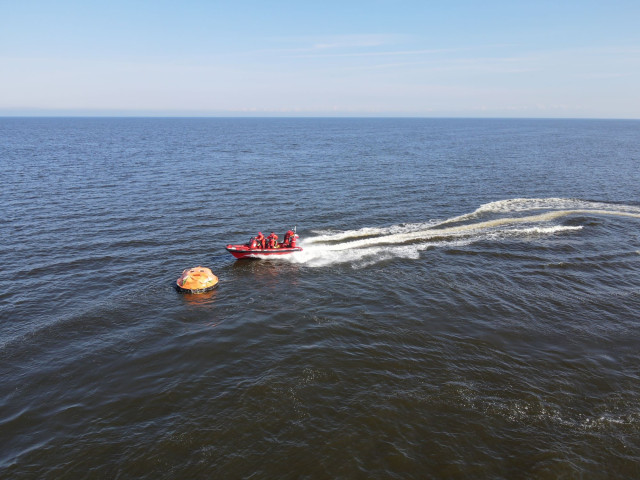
[[244, 251], [253, 249]]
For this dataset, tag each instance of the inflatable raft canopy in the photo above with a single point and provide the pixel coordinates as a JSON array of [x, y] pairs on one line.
[[196, 280]]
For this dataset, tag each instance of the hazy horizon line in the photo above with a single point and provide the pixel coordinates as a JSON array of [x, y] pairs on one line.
[[89, 113]]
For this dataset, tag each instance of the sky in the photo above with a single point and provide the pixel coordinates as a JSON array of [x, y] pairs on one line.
[[453, 58]]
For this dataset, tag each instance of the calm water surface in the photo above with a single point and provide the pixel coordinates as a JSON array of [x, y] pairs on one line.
[[467, 303]]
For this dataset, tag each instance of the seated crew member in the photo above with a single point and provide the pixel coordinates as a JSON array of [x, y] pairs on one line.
[[272, 240], [260, 240], [253, 244]]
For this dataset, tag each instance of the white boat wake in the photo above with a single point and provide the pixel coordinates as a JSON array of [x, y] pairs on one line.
[[493, 221]]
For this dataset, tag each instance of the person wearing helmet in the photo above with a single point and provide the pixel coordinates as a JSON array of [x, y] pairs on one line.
[[288, 237], [272, 240]]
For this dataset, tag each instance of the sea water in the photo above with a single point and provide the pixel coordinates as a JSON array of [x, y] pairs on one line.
[[466, 305]]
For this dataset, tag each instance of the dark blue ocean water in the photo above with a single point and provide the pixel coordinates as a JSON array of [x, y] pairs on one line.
[[467, 303]]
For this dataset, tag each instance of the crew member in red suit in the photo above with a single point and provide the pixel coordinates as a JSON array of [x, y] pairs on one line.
[[272, 240], [260, 240], [253, 243], [288, 238]]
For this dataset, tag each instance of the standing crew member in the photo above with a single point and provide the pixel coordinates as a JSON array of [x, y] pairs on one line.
[[260, 240], [288, 238]]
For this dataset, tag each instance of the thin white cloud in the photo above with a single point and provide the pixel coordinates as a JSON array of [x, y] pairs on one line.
[[299, 47], [394, 53], [342, 41]]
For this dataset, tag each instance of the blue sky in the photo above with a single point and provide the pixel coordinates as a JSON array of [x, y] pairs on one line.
[[337, 58]]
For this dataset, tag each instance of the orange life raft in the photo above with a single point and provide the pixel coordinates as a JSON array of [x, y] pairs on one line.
[[196, 280]]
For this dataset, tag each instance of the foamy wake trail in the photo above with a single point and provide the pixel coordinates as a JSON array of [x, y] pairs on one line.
[[370, 245], [557, 204]]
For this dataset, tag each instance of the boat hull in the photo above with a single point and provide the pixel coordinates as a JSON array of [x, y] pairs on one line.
[[243, 251]]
